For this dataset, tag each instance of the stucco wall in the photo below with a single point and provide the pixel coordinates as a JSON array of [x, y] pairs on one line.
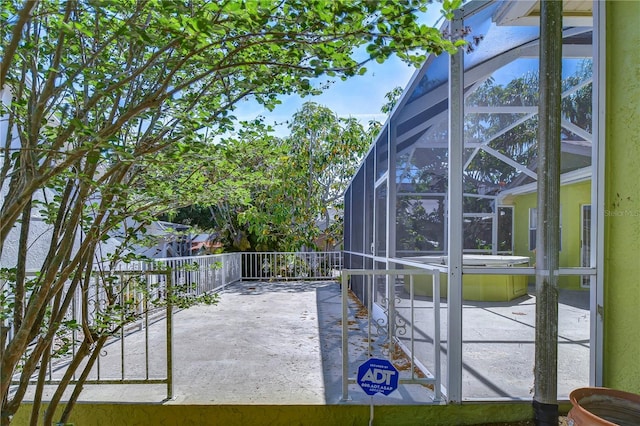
[[572, 198], [622, 197], [308, 415]]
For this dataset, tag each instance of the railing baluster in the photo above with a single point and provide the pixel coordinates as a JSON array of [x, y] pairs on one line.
[[145, 298], [212, 273], [122, 308], [370, 290], [263, 266]]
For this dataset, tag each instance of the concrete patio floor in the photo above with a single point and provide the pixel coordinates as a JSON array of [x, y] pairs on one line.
[[498, 343], [281, 343]]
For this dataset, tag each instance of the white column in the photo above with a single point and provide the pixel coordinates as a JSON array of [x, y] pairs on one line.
[[454, 196]]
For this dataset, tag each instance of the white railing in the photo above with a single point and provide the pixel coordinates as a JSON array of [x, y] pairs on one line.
[[196, 275], [393, 327], [291, 265], [146, 292]]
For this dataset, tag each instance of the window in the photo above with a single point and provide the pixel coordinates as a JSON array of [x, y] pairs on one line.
[[533, 226], [505, 230]]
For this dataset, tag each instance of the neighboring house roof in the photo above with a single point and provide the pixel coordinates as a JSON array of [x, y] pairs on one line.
[[575, 176], [170, 239], [321, 222], [201, 241], [202, 238], [163, 227]]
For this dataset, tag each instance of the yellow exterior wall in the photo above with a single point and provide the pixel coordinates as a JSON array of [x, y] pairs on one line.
[[307, 415], [622, 197], [572, 198]]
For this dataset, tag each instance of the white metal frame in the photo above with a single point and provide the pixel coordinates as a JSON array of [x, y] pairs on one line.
[[431, 378], [582, 242], [455, 209], [506, 207], [453, 244], [597, 191]]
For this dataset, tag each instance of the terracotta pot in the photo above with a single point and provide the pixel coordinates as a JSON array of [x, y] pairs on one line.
[[603, 407]]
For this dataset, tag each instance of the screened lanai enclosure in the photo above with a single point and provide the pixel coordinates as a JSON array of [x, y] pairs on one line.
[[451, 184]]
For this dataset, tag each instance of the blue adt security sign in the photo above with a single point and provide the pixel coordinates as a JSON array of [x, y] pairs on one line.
[[377, 375]]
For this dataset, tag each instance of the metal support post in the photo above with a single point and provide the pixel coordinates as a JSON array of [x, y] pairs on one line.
[[169, 331], [597, 192], [455, 197], [391, 228], [345, 336], [545, 399]]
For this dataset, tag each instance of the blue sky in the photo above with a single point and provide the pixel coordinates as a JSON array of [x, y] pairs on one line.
[[360, 96]]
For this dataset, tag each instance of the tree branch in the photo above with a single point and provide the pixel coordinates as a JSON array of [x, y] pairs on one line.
[[16, 35]]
